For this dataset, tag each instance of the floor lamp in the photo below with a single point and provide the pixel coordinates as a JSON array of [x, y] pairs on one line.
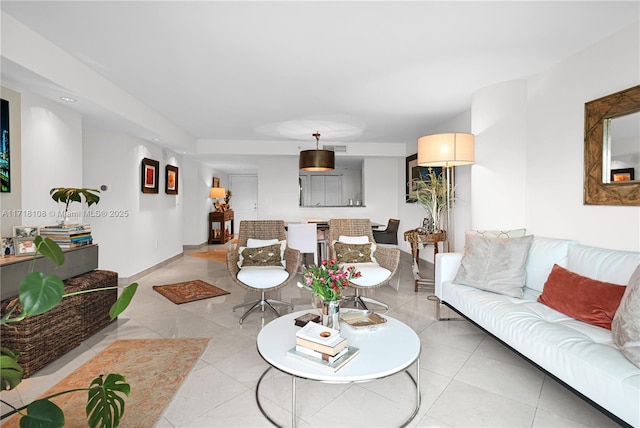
[[447, 151]]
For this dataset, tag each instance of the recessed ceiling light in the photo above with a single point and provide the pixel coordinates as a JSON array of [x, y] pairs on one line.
[[156, 140], [68, 99]]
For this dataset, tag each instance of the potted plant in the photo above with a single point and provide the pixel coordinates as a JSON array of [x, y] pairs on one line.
[[39, 294], [433, 194], [67, 195]]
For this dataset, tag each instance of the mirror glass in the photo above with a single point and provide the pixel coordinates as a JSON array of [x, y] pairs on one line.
[[621, 149]]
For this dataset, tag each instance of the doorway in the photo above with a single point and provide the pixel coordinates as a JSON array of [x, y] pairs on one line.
[[244, 197]]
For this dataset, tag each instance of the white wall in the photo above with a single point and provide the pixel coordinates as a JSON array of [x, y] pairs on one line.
[[555, 146], [530, 146], [196, 182], [137, 230]]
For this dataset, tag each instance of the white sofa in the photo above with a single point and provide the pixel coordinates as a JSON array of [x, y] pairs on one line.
[[581, 355]]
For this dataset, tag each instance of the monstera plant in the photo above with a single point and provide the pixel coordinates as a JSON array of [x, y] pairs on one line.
[[66, 195], [39, 294]]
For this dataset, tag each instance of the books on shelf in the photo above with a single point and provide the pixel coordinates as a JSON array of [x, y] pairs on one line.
[[330, 366], [320, 338], [68, 235]]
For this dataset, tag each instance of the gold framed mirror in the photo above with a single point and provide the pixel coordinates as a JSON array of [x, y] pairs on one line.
[[598, 116]]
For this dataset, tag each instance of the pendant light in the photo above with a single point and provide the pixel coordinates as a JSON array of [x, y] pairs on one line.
[[317, 160]]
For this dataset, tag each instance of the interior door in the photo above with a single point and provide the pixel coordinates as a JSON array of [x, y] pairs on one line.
[[244, 197]]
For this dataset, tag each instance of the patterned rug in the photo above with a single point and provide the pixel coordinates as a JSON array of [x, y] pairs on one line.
[[189, 291], [214, 255], [155, 369]]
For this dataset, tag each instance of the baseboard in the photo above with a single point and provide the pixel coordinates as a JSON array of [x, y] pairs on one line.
[[134, 278], [194, 247]]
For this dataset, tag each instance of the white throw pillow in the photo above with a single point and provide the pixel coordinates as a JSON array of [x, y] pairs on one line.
[[494, 264], [625, 326], [353, 239], [253, 243]]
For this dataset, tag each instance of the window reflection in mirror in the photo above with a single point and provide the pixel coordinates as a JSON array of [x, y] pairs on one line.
[[621, 154]]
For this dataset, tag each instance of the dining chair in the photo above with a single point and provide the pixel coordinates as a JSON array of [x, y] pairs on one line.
[[351, 242], [262, 262], [388, 235], [304, 238]]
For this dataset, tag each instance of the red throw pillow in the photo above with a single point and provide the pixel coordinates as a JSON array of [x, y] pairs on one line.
[[589, 300]]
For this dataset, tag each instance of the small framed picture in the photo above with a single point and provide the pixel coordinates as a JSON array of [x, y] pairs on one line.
[[25, 246], [149, 175], [7, 247], [25, 231], [622, 174], [171, 180], [215, 182]]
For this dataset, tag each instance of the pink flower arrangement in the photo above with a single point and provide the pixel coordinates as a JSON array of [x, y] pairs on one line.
[[329, 279]]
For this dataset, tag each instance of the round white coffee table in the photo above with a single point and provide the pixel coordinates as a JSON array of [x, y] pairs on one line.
[[387, 349]]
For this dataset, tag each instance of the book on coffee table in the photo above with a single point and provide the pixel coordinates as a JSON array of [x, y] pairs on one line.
[[329, 366]]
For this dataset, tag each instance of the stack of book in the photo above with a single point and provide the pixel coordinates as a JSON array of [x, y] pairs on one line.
[[323, 347], [68, 235]]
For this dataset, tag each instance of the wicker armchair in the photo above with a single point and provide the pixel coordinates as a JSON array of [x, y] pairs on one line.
[[263, 229], [386, 257]]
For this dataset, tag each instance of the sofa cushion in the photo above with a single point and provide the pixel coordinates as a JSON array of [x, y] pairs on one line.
[[589, 300], [494, 264], [625, 326], [543, 254], [370, 274], [263, 276], [603, 264]]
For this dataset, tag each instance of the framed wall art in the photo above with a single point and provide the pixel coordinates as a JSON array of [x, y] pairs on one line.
[[5, 160], [622, 174], [25, 231], [216, 182], [415, 172], [149, 175], [171, 180]]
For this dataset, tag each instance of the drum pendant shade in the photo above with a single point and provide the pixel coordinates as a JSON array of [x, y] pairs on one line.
[[317, 160]]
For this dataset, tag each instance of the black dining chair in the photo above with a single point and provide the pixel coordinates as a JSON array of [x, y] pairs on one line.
[[388, 235]]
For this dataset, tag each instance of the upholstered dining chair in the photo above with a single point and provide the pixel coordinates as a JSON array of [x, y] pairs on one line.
[[350, 241], [262, 262], [388, 235]]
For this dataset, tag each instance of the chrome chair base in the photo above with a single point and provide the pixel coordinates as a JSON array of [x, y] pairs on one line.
[[360, 300], [262, 304]]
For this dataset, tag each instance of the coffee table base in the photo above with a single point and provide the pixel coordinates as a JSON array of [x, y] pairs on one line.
[[415, 380]]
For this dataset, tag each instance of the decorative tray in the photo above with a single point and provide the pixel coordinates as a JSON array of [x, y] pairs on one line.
[[360, 317]]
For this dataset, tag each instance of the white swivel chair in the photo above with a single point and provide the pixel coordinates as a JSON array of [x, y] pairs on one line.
[[303, 237]]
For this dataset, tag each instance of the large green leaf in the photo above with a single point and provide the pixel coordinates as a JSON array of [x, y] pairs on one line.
[[39, 293], [48, 248], [42, 414], [10, 370], [123, 301], [104, 406]]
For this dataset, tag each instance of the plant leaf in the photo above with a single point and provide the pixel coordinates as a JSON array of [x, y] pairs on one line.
[[39, 294], [10, 371], [104, 406], [123, 301], [42, 413], [48, 248]]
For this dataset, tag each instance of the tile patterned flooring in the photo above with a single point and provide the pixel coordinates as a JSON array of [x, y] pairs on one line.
[[467, 379]]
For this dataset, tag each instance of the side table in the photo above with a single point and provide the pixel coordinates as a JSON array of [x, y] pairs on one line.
[[416, 237]]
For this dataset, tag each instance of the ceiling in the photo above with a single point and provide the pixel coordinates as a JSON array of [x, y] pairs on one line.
[[237, 75]]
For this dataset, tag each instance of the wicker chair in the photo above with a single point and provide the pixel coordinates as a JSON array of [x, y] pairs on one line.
[[386, 257], [263, 229]]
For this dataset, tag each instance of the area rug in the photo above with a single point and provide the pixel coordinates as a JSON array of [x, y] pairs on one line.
[[214, 255], [189, 291], [154, 368]]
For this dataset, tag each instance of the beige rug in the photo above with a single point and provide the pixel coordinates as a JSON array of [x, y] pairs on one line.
[[155, 369], [214, 255], [189, 291]]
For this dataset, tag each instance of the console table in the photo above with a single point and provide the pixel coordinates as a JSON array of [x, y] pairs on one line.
[[219, 233], [416, 237]]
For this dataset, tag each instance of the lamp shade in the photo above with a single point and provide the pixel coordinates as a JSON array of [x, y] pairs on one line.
[[217, 192], [451, 149], [317, 160]]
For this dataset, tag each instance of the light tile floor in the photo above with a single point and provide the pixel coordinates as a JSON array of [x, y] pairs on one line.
[[467, 378]]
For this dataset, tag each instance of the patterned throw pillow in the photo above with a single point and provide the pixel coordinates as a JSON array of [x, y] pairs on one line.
[[625, 326], [260, 256], [353, 253], [515, 233]]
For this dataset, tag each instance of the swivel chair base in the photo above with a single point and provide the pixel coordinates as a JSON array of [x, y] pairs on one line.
[[360, 300], [262, 304]]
